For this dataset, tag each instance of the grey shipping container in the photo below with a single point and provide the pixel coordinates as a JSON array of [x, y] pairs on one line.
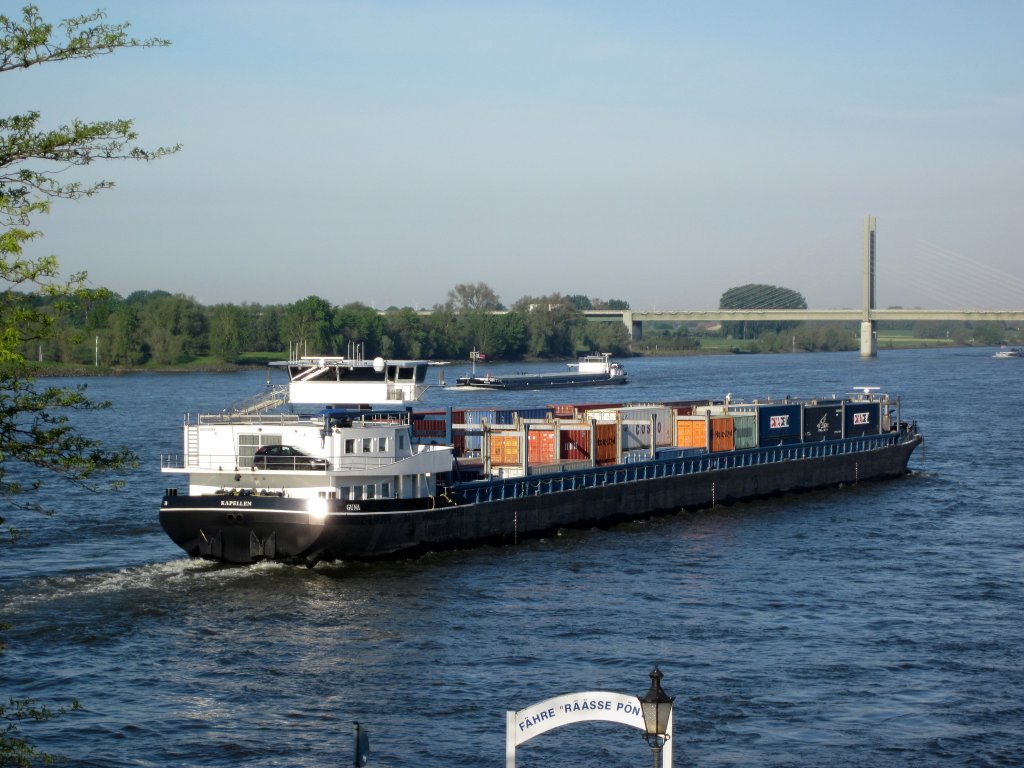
[[744, 430]]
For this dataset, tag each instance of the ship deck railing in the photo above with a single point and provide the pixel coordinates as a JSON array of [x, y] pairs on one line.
[[367, 420], [234, 417], [230, 462], [536, 485], [346, 465], [262, 402]]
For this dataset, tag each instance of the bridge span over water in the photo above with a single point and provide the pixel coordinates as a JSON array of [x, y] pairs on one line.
[[868, 315], [634, 319]]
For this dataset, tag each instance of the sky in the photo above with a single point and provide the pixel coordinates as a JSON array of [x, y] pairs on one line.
[[655, 152]]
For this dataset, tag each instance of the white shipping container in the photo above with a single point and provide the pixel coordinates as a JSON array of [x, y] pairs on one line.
[[714, 410], [637, 424]]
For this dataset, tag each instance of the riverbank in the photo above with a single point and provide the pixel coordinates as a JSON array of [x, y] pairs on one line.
[[72, 370], [709, 346]]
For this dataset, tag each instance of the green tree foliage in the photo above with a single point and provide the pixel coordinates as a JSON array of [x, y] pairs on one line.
[[602, 337], [509, 336], [176, 329], [159, 329], [822, 337], [125, 345], [980, 333], [759, 296], [227, 331], [36, 167], [38, 164], [308, 324], [262, 327], [357, 323], [34, 159], [585, 302], [473, 296], [446, 337], [405, 334], [551, 323], [667, 336], [156, 328], [15, 749]]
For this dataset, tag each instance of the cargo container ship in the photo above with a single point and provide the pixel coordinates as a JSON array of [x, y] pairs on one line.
[[590, 370], [285, 477]]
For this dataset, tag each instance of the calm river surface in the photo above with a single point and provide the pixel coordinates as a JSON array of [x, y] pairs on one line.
[[878, 625]]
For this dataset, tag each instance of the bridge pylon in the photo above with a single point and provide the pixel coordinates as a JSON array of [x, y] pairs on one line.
[[868, 332]]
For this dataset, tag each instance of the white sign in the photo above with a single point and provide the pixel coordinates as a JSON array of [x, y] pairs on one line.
[[547, 715]]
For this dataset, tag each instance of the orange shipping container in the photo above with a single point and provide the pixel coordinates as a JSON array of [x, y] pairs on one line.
[[541, 447], [605, 436], [721, 433], [504, 450], [691, 432]]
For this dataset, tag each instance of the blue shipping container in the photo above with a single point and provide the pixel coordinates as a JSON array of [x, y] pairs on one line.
[[823, 423], [862, 419], [778, 424]]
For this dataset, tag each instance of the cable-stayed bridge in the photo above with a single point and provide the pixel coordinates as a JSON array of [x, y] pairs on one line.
[[868, 315]]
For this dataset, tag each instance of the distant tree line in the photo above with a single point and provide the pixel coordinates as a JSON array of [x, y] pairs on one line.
[[161, 329], [157, 328]]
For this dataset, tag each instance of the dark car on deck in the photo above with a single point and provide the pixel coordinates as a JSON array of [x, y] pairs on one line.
[[286, 457]]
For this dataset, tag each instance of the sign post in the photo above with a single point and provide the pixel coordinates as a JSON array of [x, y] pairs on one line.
[[544, 716]]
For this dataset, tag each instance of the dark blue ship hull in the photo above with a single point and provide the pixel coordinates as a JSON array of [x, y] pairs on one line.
[[248, 529]]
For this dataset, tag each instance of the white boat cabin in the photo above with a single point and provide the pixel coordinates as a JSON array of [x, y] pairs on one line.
[[342, 451]]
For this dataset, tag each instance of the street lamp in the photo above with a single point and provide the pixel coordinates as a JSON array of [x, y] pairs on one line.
[[656, 706]]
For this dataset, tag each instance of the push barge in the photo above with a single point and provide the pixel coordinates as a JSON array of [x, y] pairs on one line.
[[591, 370], [370, 477]]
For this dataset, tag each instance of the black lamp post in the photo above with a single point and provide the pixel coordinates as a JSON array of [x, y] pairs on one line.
[[656, 706]]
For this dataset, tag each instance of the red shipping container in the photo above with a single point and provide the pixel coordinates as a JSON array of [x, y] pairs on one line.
[[575, 444], [428, 427], [722, 433], [541, 447], [605, 435]]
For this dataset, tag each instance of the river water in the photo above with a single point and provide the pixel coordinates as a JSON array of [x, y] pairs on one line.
[[877, 625]]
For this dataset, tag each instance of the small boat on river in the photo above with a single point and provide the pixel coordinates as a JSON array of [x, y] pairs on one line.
[[1009, 352], [338, 464]]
